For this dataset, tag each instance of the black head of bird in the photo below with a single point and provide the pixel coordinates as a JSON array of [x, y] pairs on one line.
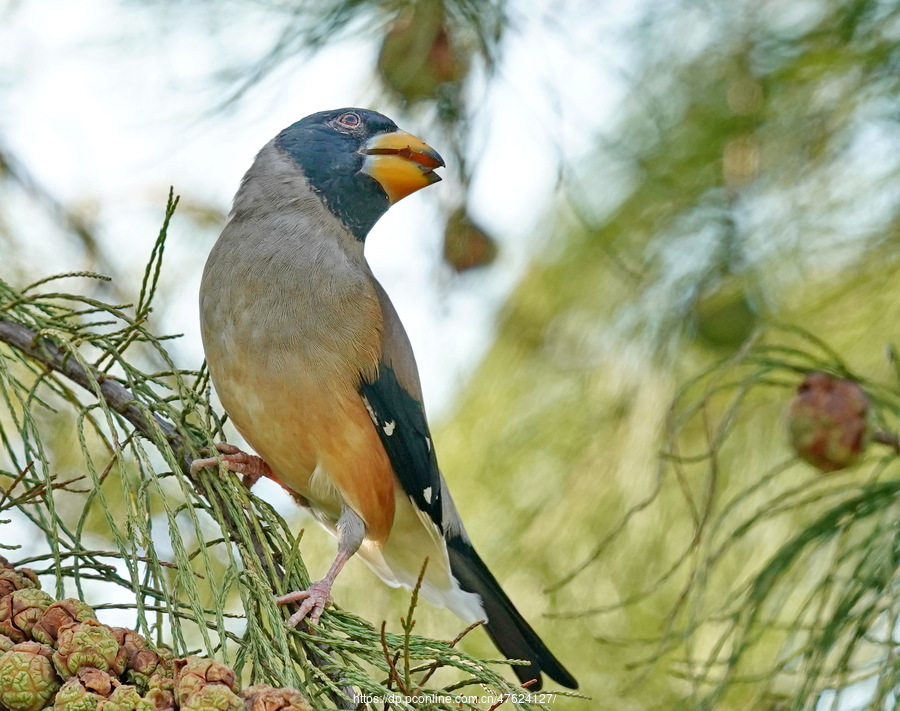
[[359, 163]]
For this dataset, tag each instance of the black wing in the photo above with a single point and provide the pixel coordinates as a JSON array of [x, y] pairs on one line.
[[400, 421]]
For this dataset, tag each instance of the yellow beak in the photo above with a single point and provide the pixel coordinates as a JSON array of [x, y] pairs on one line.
[[401, 163]]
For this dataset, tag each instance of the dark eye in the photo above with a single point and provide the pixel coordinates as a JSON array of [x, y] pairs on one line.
[[349, 120]]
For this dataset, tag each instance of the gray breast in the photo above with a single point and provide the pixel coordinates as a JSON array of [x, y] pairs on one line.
[[286, 281]]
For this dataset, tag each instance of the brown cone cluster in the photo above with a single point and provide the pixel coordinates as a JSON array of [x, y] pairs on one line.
[[827, 421], [420, 53], [466, 245], [55, 654]]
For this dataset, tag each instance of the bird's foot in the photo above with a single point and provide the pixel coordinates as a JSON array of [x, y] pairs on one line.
[[315, 598], [252, 468]]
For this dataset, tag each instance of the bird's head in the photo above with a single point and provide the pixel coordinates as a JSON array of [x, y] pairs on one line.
[[359, 163]]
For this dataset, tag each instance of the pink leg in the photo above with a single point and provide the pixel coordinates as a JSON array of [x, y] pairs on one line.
[[351, 531], [235, 460], [316, 597]]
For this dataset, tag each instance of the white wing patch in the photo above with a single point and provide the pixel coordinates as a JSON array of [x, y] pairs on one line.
[[428, 443], [427, 493], [388, 427], [370, 410]]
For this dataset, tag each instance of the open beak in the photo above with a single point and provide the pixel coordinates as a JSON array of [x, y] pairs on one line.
[[401, 163]]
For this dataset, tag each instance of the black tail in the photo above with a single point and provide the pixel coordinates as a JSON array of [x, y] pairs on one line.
[[507, 628]]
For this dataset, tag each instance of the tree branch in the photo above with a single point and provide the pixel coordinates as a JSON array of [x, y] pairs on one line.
[[117, 396]]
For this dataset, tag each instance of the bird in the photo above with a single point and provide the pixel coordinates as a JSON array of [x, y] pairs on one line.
[[314, 368]]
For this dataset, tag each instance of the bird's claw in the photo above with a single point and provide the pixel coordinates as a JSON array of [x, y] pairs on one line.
[[251, 467], [315, 598]]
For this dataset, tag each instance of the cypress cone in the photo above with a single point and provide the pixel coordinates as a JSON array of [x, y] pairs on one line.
[[262, 697], [126, 698], [27, 678], [20, 610], [12, 579], [213, 697], [88, 644], [105, 668], [57, 616]]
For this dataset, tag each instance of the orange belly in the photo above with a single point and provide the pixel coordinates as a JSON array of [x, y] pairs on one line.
[[320, 444]]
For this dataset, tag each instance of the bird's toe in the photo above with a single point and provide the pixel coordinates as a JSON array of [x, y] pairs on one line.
[[251, 467], [315, 599], [199, 464]]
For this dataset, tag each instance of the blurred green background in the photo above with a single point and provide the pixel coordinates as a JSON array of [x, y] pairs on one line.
[[720, 214]]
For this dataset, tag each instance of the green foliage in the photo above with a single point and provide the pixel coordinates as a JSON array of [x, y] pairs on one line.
[[790, 576], [749, 182]]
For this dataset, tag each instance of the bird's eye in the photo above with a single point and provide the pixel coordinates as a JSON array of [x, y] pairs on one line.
[[349, 120]]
